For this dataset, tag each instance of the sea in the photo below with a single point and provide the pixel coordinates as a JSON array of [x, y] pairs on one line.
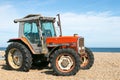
[[105, 49], [92, 49]]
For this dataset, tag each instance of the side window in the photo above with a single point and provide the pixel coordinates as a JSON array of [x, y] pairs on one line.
[[31, 32]]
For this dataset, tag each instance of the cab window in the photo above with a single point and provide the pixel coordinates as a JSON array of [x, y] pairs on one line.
[[31, 32], [48, 29]]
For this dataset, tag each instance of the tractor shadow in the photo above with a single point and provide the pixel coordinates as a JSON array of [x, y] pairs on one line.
[[5, 67], [45, 70], [49, 72], [39, 67]]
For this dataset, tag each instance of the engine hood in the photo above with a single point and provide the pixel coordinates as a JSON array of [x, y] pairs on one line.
[[61, 40]]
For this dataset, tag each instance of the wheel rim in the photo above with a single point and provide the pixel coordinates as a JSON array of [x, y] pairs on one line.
[[65, 62], [15, 58], [84, 60]]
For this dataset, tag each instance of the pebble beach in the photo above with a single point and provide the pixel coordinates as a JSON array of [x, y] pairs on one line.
[[106, 67]]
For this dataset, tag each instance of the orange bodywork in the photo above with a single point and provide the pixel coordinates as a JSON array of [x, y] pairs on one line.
[[28, 44], [71, 40]]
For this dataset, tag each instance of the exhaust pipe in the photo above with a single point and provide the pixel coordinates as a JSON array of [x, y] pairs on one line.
[[59, 24]]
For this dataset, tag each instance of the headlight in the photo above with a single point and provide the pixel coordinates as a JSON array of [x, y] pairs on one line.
[[81, 47]]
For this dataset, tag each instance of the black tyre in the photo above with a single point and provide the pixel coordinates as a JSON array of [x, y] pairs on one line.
[[87, 59], [65, 62], [18, 57]]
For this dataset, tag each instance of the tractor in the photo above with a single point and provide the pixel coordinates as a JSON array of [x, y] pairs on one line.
[[38, 44]]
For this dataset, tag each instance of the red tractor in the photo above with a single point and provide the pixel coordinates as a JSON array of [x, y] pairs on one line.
[[38, 44]]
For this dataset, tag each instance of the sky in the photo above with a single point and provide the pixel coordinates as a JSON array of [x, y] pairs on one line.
[[97, 21]]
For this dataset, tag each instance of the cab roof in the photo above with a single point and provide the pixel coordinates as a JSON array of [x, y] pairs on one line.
[[34, 17]]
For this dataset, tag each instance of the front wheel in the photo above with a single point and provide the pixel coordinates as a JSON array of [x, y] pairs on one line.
[[87, 59], [18, 57], [65, 62]]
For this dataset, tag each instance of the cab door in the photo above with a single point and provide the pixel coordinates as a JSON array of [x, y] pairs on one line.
[[31, 32]]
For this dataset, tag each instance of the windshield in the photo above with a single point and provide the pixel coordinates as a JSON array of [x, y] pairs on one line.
[[48, 29]]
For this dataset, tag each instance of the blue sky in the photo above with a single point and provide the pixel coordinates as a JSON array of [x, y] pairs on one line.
[[97, 21]]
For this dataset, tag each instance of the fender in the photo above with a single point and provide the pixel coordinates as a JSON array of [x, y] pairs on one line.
[[55, 47], [24, 41]]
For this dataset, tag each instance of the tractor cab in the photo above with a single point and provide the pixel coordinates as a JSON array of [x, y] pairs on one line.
[[36, 28]]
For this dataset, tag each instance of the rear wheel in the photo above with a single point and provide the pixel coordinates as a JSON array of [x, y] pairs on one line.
[[65, 62], [18, 57], [87, 59]]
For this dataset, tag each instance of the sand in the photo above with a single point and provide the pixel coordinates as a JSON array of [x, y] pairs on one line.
[[106, 67]]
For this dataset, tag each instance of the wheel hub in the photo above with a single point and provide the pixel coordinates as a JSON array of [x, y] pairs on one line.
[[84, 60], [65, 62], [15, 58]]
